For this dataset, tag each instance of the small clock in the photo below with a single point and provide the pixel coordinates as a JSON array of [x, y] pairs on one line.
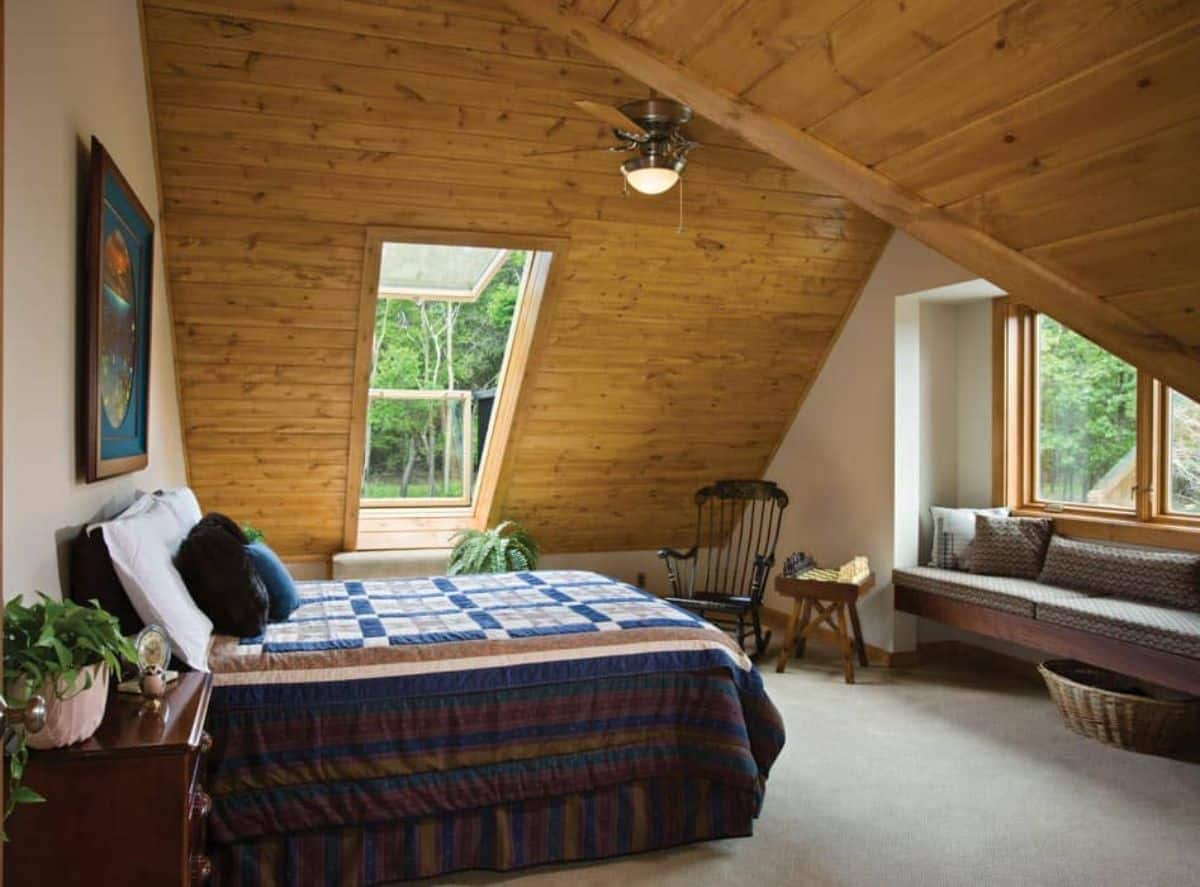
[[153, 656], [153, 649]]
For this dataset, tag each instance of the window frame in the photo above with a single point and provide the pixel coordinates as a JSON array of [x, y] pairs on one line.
[[1014, 447], [430, 525], [468, 474]]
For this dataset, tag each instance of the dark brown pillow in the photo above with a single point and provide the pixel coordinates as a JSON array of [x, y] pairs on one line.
[[1160, 576], [94, 578], [222, 579], [218, 521], [1010, 546]]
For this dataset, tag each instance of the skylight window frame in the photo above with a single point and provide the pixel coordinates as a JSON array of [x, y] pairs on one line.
[[431, 525], [425, 294]]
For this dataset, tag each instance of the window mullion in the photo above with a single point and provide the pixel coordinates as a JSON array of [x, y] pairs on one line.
[[1147, 471]]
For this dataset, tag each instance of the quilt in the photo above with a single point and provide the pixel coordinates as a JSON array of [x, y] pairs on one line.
[[392, 700]]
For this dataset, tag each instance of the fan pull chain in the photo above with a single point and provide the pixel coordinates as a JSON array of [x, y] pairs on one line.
[[679, 230]]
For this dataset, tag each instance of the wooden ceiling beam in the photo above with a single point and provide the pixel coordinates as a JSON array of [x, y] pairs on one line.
[[1025, 279]]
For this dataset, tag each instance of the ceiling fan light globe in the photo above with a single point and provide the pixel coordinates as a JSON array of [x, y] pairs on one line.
[[652, 175], [652, 181]]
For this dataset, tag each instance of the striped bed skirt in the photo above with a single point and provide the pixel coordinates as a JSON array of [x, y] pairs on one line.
[[611, 821]]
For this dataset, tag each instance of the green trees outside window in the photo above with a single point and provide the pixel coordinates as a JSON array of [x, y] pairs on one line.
[[1087, 420], [431, 358], [1184, 454]]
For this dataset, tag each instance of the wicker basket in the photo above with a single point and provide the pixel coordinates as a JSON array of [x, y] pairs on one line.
[[1121, 711]]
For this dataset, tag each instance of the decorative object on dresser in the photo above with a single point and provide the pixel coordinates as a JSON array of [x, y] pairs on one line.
[[826, 596], [118, 296], [125, 806], [62, 654], [723, 576], [153, 656]]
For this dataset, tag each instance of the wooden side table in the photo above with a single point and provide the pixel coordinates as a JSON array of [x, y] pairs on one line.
[[124, 807], [829, 597]]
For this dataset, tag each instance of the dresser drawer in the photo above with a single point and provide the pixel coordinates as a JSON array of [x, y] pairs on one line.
[[200, 806], [124, 807]]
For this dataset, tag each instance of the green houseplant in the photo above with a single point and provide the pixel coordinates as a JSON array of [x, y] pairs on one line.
[[505, 548], [65, 652]]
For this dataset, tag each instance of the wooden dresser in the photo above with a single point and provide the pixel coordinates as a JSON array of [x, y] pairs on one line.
[[124, 807]]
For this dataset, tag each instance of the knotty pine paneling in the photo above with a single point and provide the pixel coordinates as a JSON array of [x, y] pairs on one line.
[[1065, 130], [667, 359]]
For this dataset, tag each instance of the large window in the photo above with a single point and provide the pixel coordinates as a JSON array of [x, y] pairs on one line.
[[443, 322], [1183, 454], [1086, 421], [1088, 438]]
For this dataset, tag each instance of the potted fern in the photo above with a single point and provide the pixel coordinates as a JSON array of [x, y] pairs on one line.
[[505, 548], [65, 653]]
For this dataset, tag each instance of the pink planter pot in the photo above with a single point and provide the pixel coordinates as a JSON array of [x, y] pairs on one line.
[[75, 718]]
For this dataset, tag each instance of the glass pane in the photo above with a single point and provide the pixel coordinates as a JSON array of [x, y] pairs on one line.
[[414, 450], [1087, 421], [434, 271], [1184, 475], [438, 346]]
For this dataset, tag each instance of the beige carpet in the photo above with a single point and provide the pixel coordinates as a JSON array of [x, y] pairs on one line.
[[957, 772]]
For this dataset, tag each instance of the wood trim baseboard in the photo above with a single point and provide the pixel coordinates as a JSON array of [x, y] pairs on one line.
[[777, 620], [1168, 669]]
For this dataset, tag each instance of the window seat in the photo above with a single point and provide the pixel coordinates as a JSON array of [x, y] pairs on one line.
[[391, 564], [1151, 641], [1019, 596]]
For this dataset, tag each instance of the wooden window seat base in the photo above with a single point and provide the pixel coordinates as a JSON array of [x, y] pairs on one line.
[[1168, 669]]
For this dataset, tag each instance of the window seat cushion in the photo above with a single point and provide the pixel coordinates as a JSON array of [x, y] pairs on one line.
[[1152, 575], [1019, 596], [1169, 629]]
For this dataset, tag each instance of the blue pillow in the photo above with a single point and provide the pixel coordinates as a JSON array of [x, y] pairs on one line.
[[281, 590]]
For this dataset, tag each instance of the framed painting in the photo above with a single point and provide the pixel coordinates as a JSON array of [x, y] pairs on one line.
[[118, 279]]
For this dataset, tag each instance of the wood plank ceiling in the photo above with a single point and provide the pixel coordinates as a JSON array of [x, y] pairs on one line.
[[284, 129], [1068, 131]]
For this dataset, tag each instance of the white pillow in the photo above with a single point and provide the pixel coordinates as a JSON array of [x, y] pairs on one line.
[[953, 531], [182, 504], [142, 543]]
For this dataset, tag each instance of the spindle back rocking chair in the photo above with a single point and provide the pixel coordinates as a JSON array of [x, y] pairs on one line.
[[723, 576]]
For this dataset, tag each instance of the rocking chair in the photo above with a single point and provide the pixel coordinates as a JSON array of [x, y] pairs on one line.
[[724, 575]]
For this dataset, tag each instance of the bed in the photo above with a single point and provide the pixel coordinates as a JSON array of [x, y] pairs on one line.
[[405, 728]]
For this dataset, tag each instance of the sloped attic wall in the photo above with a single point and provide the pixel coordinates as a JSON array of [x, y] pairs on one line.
[[662, 361]]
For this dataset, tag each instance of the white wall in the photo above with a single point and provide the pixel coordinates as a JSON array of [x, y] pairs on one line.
[[623, 565], [973, 372], [73, 69], [837, 460], [938, 416]]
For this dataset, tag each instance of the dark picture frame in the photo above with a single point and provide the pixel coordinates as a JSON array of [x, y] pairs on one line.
[[118, 298]]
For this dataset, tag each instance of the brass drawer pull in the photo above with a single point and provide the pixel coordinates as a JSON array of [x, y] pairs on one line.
[[201, 804], [201, 868], [206, 742]]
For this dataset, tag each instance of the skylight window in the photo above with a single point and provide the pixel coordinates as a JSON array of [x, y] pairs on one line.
[[422, 271], [444, 316]]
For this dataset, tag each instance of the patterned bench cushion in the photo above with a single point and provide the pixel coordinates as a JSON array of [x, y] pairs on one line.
[[1163, 628], [1019, 596], [1153, 575]]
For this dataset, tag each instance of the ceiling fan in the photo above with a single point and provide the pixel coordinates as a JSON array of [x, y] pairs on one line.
[[651, 128]]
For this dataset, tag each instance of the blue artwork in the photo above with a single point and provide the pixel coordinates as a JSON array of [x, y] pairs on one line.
[[120, 268]]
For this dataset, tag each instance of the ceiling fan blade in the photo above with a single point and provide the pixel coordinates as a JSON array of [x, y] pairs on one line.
[[612, 117], [574, 151]]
